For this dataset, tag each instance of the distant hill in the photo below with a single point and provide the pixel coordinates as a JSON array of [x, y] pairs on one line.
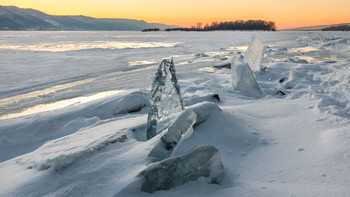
[[337, 28], [14, 18], [313, 28]]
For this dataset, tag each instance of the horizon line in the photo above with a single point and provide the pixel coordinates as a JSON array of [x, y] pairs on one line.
[[285, 28]]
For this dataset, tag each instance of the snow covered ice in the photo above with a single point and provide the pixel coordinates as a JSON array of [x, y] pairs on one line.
[[203, 160], [166, 100], [291, 145], [171, 137], [61, 153], [181, 129], [243, 79], [48, 125], [203, 111]]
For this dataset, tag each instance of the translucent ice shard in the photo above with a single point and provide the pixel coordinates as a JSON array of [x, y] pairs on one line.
[[166, 100], [243, 79], [202, 161], [254, 54]]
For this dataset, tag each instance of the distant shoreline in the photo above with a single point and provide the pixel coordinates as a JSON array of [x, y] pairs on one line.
[[240, 25], [18, 19]]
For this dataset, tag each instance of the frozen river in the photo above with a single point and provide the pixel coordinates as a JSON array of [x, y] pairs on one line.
[[44, 67], [82, 101]]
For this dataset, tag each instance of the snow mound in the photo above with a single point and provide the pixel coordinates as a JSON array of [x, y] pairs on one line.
[[200, 90], [203, 111], [243, 79], [224, 64], [166, 100], [203, 160], [296, 60], [200, 96], [324, 83], [337, 43], [278, 51], [201, 55]]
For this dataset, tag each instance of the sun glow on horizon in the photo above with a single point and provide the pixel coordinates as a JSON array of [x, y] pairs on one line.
[[286, 14]]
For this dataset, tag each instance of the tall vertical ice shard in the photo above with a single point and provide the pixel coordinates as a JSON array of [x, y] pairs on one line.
[[243, 79], [254, 54], [166, 100]]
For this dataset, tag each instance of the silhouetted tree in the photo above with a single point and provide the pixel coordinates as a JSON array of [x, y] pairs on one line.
[[151, 29], [250, 25]]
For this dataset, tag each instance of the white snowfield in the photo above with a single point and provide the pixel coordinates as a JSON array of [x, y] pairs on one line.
[[292, 141]]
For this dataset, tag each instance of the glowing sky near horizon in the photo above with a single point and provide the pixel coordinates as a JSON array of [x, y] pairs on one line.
[[286, 13]]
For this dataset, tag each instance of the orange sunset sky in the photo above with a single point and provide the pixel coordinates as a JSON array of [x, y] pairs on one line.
[[286, 13]]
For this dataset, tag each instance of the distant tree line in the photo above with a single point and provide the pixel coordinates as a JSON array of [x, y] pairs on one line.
[[337, 28], [151, 29], [250, 25]]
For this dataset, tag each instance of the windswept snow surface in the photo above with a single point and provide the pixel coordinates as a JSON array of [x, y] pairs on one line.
[[293, 141]]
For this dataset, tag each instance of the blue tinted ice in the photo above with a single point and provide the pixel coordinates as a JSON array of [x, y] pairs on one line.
[[166, 100]]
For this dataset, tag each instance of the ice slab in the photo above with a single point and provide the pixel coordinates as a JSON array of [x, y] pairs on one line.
[[254, 54], [243, 79], [61, 104], [203, 111], [202, 161], [35, 129], [181, 127], [166, 100], [61, 153]]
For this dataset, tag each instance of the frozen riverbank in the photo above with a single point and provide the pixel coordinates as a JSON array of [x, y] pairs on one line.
[[292, 141], [43, 67]]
